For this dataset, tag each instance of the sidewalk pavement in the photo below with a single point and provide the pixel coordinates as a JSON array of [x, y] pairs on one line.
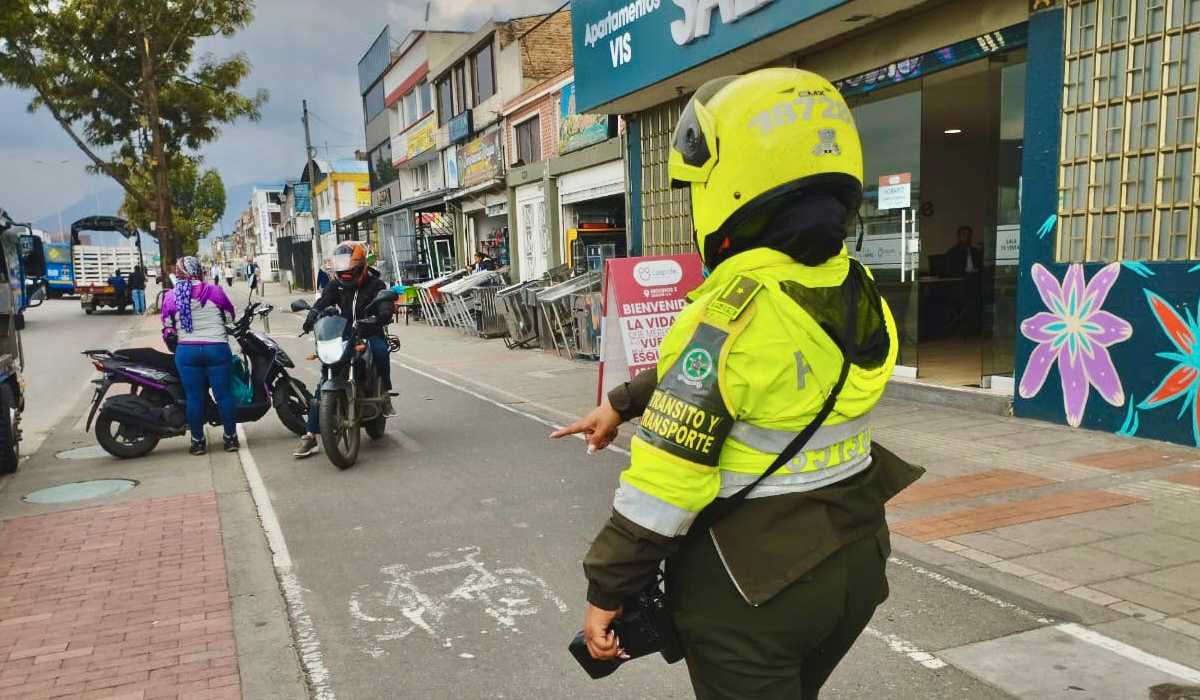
[[1087, 526], [137, 598]]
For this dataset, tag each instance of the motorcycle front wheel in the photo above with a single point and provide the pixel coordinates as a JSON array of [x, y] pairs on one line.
[[339, 439], [121, 441]]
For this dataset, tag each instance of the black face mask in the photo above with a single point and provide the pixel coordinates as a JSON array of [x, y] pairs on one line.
[[809, 226]]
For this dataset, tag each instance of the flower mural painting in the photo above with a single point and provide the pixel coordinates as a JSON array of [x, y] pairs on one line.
[[1182, 382], [1075, 333]]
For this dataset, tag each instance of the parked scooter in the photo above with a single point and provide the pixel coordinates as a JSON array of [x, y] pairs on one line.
[[352, 393], [130, 425]]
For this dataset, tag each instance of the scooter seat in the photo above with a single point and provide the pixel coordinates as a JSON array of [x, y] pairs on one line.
[[149, 357]]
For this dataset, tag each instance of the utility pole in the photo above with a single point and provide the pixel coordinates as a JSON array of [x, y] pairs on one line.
[[318, 258]]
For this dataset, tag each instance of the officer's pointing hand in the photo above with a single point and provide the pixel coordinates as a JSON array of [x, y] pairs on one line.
[[600, 427], [602, 642]]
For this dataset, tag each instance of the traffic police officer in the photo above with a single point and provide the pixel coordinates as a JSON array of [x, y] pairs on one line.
[[768, 599]]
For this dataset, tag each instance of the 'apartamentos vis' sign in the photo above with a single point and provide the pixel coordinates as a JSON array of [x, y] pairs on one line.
[[623, 46]]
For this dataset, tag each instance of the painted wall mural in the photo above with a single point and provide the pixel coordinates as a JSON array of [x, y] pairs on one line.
[[1113, 347]]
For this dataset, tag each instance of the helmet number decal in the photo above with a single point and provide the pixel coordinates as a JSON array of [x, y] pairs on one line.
[[785, 112]]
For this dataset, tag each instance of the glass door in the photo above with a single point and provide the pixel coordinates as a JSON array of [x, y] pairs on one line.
[[889, 124]]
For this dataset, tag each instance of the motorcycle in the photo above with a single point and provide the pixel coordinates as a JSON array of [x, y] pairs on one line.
[[352, 396], [131, 425]]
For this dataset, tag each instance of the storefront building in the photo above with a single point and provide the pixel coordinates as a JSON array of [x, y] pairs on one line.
[[471, 88], [1060, 134], [566, 183]]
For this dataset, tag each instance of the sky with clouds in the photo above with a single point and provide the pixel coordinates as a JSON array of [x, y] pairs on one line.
[[298, 49]]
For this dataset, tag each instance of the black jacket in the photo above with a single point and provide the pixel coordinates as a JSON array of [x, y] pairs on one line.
[[137, 280], [355, 302]]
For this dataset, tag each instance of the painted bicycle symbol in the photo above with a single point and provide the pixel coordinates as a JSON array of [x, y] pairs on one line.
[[434, 599]]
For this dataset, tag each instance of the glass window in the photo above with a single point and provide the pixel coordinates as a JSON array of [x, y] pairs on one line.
[[462, 99], [1184, 12], [1143, 124], [1083, 133], [1083, 29], [445, 103], [1139, 232], [1146, 69], [426, 99], [1106, 183], [1116, 22], [1110, 83], [379, 165], [1110, 126], [483, 74], [1176, 182], [529, 141], [1105, 249], [1173, 231], [412, 112], [374, 101]]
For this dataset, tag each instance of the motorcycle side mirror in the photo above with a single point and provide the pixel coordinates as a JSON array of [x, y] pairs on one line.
[[300, 305], [385, 295]]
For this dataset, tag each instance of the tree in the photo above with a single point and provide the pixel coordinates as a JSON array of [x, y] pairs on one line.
[[197, 202], [122, 80]]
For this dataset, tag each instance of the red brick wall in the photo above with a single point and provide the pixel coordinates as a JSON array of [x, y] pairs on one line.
[[546, 49]]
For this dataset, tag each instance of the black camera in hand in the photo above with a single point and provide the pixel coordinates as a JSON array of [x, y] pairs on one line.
[[645, 627]]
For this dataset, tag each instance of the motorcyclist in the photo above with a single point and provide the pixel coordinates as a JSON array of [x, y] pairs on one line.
[[353, 289]]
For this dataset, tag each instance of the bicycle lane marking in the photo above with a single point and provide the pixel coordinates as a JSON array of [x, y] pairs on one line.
[[305, 634]]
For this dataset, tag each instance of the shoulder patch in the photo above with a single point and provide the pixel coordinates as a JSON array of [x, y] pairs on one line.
[[734, 298]]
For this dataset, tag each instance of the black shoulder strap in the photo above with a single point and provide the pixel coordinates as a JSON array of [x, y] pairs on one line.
[[849, 343]]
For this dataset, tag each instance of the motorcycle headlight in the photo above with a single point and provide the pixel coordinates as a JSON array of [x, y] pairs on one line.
[[331, 351]]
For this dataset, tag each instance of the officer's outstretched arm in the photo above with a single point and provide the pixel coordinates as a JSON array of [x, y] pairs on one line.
[[623, 403]]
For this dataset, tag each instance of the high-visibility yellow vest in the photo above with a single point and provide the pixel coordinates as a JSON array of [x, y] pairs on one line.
[[745, 367]]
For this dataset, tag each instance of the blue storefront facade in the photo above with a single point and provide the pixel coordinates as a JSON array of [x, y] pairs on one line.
[[1059, 134]]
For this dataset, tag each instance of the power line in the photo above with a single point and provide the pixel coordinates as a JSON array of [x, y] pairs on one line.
[[331, 126]]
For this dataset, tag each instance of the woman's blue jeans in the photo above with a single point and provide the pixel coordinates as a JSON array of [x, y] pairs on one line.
[[203, 366]]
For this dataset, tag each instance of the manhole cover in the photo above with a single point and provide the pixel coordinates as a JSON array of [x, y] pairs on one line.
[[89, 452], [80, 491]]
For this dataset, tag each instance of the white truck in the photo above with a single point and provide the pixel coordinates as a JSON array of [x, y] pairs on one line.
[[93, 265]]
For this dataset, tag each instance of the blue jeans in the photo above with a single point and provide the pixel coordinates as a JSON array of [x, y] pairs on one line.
[[383, 365], [203, 366], [139, 301]]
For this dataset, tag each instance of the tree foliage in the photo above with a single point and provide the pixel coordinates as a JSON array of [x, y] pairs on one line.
[[100, 67], [197, 202]]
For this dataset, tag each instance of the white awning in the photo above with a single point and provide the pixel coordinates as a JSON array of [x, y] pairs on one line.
[[597, 181]]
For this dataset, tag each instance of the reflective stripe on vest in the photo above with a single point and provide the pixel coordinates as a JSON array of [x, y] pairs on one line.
[[774, 441], [779, 484], [652, 513]]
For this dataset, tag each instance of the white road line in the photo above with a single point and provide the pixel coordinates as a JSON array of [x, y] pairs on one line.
[[903, 646], [305, 633], [490, 387], [1132, 653], [487, 399], [969, 590]]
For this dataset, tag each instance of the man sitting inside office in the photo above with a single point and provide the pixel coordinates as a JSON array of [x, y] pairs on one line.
[[965, 260]]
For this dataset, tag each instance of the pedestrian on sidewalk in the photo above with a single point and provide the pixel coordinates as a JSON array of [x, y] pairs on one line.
[[215, 274], [778, 361], [229, 275], [137, 289], [196, 313]]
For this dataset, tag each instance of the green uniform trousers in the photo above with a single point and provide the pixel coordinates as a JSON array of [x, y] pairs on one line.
[[785, 648]]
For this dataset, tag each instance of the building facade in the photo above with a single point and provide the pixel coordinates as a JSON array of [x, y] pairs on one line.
[[342, 188], [1061, 134], [471, 88], [266, 220]]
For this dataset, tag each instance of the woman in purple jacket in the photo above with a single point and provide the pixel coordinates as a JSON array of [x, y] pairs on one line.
[[196, 313]]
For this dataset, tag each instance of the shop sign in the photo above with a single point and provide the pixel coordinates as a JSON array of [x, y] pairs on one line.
[[642, 297], [301, 201], [362, 196], [479, 159], [622, 46], [498, 209], [578, 130], [1008, 244], [382, 197], [459, 127], [450, 166], [420, 137], [895, 191]]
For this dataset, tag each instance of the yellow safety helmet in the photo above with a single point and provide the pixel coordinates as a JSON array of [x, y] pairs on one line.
[[746, 141]]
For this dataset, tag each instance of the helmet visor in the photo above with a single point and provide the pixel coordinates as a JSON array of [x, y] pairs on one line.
[[693, 143]]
